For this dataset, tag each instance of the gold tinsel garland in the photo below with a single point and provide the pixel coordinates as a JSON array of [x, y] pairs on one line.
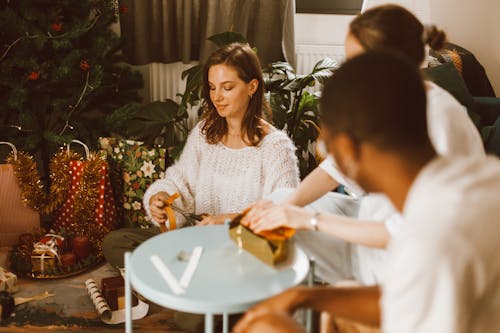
[[85, 196], [86, 202], [26, 171]]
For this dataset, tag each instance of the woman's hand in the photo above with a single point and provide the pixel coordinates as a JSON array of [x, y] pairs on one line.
[[266, 215], [285, 303], [157, 207], [216, 219]]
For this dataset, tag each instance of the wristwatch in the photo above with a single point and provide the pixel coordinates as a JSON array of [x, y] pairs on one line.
[[314, 221]]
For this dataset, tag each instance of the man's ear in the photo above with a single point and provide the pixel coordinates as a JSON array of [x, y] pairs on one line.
[[346, 152]]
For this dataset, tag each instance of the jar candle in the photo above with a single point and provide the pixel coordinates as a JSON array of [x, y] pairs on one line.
[[81, 246]]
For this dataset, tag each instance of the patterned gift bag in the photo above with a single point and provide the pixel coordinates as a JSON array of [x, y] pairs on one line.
[[15, 217], [138, 167], [85, 191]]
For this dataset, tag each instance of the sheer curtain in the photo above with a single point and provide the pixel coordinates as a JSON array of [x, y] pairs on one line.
[[176, 30]]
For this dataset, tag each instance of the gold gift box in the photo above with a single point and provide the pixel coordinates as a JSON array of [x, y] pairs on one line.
[[42, 260], [271, 248]]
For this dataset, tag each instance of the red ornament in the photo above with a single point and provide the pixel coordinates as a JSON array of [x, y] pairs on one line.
[[57, 26], [123, 9], [33, 76], [84, 65], [68, 259], [81, 246]]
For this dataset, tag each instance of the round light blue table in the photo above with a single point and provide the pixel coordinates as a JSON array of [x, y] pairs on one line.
[[228, 280]]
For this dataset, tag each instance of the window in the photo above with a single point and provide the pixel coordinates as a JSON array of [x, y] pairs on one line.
[[345, 7]]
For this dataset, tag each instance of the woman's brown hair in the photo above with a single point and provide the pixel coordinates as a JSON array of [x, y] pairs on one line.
[[243, 59], [392, 27]]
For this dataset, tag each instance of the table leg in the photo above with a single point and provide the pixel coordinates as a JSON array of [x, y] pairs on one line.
[[310, 283], [128, 295], [225, 323], [209, 323]]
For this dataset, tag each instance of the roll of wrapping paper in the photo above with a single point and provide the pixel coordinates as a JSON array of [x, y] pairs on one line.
[[112, 317]]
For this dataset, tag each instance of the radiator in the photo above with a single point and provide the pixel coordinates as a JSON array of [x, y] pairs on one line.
[[165, 80], [309, 54]]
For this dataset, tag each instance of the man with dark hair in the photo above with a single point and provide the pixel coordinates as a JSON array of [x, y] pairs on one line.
[[442, 274]]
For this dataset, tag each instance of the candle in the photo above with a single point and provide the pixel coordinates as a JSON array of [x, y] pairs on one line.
[[81, 246], [68, 259]]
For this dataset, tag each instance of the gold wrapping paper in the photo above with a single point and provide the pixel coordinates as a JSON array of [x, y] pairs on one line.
[[270, 251]]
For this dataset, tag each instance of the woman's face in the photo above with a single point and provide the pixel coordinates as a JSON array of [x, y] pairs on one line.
[[229, 94], [352, 46]]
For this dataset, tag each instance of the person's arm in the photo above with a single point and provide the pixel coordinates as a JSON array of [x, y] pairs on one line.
[[314, 186], [268, 216], [179, 177], [280, 165], [359, 304]]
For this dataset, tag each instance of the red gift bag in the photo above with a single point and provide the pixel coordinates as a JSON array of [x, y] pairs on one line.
[[88, 194], [15, 217]]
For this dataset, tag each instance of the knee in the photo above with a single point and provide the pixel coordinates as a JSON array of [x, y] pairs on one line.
[[274, 323]]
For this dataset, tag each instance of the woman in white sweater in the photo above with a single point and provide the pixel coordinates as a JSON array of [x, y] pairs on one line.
[[451, 132], [231, 159]]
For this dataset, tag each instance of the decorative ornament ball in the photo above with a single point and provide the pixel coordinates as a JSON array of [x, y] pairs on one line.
[[84, 65], [33, 76], [57, 26]]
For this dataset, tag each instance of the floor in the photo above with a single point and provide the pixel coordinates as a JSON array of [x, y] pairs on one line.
[[71, 310]]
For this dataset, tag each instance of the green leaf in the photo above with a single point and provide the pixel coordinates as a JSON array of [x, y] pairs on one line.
[[226, 38], [280, 104]]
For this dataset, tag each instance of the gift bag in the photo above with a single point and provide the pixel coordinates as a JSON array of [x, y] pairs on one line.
[[86, 191], [15, 217], [137, 166]]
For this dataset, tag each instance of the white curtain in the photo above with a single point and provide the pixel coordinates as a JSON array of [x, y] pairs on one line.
[[421, 8]]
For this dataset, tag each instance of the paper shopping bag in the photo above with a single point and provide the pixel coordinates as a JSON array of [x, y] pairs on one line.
[[87, 195], [15, 217]]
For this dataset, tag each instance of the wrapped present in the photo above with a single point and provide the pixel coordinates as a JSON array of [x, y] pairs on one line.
[[137, 166], [8, 281], [270, 247], [44, 258], [113, 289]]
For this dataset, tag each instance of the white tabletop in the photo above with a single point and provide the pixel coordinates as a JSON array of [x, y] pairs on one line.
[[227, 280]]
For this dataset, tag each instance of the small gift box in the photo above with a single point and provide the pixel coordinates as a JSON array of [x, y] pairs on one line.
[[270, 247], [44, 258], [8, 281], [113, 289]]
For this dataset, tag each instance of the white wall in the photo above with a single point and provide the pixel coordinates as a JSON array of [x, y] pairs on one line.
[[321, 29], [474, 25]]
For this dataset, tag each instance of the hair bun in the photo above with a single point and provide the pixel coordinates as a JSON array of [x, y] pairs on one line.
[[434, 37]]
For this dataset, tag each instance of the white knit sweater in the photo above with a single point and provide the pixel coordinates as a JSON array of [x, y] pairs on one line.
[[214, 179]]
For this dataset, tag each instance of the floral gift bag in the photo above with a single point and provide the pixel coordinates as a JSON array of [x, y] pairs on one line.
[[138, 166]]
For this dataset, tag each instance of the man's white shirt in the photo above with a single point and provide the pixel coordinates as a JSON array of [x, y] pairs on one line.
[[443, 269]]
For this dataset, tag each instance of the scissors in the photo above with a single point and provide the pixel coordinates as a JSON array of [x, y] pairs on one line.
[[191, 218]]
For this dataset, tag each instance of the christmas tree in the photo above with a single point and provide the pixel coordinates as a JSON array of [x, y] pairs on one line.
[[60, 72]]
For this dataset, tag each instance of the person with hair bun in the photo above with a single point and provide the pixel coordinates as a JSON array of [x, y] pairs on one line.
[[232, 157], [387, 28]]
